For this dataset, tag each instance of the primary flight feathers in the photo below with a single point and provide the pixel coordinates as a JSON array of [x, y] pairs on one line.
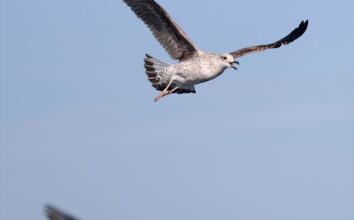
[[167, 32], [295, 34]]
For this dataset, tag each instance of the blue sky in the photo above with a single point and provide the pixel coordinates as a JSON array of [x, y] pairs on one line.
[[79, 127]]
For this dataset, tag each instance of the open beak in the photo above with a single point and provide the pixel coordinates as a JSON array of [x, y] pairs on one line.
[[233, 64]]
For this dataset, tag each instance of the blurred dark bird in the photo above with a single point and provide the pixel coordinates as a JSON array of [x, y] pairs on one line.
[[54, 213]]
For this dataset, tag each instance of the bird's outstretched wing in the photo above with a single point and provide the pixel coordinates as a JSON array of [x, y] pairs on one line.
[[295, 34], [53, 213], [167, 32]]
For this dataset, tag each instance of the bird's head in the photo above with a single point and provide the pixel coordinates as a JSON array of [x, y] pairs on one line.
[[228, 60]]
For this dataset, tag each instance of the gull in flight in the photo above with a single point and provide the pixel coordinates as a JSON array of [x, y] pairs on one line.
[[195, 66]]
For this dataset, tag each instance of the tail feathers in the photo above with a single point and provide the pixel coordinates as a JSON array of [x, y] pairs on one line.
[[154, 69], [155, 61]]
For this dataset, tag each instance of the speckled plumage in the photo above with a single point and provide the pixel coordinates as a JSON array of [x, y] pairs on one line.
[[198, 69], [195, 66]]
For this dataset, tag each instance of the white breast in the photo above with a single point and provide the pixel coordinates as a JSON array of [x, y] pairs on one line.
[[197, 70]]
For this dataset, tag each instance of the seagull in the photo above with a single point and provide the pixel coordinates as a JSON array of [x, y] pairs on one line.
[[194, 65]]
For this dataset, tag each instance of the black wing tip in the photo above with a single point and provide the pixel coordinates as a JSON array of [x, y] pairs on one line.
[[295, 34], [302, 27]]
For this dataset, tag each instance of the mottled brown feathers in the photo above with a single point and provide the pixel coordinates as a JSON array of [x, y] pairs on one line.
[[166, 31]]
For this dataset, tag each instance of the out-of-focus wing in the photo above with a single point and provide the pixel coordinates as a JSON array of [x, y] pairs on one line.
[[54, 213]]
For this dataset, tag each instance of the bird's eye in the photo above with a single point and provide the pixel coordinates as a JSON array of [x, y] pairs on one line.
[[224, 57]]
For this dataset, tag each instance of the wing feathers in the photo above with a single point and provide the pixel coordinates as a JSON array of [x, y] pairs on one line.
[[295, 34], [166, 31]]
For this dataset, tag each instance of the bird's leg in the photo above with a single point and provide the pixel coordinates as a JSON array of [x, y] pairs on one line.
[[164, 92], [168, 92], [172, 90]]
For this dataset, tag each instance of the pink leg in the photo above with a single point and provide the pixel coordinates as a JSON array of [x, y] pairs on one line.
[[165, 92]]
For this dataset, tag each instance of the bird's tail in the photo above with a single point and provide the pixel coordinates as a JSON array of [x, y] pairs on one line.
[[154, 69]]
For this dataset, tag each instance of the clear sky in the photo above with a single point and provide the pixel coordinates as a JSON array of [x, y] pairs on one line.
[[79, 127]]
